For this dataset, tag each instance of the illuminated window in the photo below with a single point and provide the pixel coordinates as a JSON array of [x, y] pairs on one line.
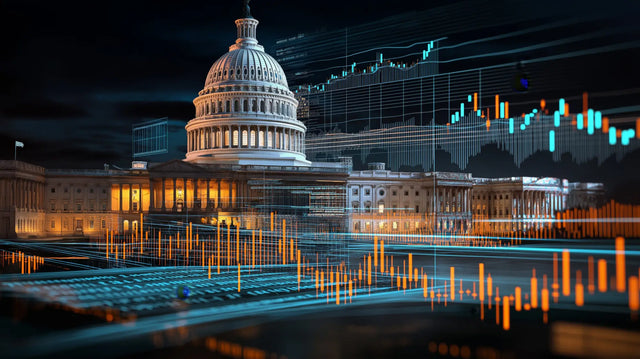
[[245, 138], [381, 208], [104, 224], [91, 224], [395, 225], [269, 139], [235, 138], [53, 224]]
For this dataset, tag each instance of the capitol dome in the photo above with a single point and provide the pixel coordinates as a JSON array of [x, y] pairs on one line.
[[246, 114]]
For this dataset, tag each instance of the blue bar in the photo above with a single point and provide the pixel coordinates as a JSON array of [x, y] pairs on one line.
[[561, 106], [598, 120], [462, 108], [479, 113], [501, 109], [612, 135], [624, 138], [580, 121], [380, 58], [556, 119], [552, 141], [535, 110], [457, 116], [527, 120], [469, 99], [510, 125], [453, 118], [522, 127], [590, 122]]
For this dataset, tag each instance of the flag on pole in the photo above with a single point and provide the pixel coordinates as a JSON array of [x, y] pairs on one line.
[[19, 144]]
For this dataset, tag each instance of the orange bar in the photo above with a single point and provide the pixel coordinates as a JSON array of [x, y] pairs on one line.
[[381, 256], [518, 299], [375, 251], [543, 104], [605, 124], [602, 275], [534, 290], [369, 270], [497, 106], [620, 265], [410, 267], [481, 279], [579, 290], [634, 295], [585, 103], [506, 109], [475, 102], [566, 266], [590, 284], [638, 128], [505, 313], [453, 282]]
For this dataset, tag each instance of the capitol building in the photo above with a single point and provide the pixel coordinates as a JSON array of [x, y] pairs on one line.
[[246, 159]]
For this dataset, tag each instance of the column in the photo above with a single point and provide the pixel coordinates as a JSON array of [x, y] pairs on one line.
[[208, 204], [218, 204], [120, 187], [173, 207], [163, 189], [130, 197], [196, 200], [151, 194]]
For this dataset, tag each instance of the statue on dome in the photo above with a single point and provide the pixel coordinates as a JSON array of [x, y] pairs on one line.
[[247, 9]]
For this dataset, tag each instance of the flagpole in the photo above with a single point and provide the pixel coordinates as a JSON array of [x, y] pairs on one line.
[[15, 151]]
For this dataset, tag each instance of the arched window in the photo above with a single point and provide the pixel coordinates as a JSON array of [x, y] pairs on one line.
[[206, 108], [227, 106], [253, 138], [219, 106], [245, 138], [236, 105], [246, 106], [269, 139], [235, 138], [273, 107], [262, 106], [261, 139]]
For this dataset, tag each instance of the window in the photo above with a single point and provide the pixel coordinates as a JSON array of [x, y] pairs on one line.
[[78, 207], [65, 207], [66, 190], [406, 193], [79, 190], [91, 224], [417, 209], [394, 193], [53, 224], [356, 206], [104, 224], [381, 192], [417, 193], [367, 192], [104, 191], [90, 190], [53, 190], [355, 191], [104, 206], [53, 206], [381, 208]]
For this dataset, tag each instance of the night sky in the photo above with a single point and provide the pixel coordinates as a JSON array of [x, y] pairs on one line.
[[74, 76]]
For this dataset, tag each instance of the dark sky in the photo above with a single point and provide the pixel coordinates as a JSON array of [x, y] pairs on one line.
[[75, 75]]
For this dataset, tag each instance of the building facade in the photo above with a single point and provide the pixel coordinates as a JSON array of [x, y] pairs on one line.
[[246, 159]]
